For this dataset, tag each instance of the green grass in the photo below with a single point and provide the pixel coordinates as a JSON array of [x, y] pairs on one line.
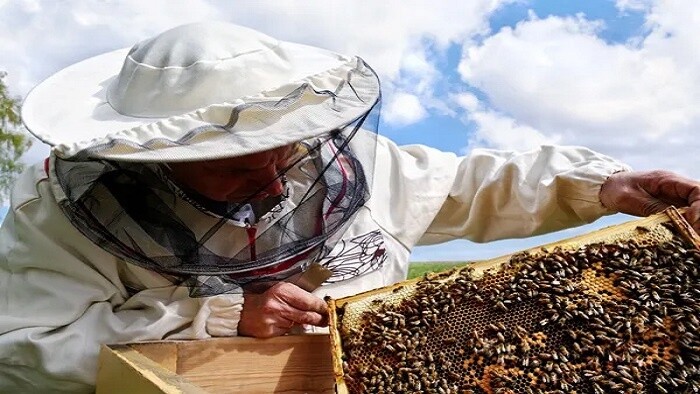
[[418, 269]]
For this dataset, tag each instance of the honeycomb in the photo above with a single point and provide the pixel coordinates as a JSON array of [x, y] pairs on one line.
[[612, 311]]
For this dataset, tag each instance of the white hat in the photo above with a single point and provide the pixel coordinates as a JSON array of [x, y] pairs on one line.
[[196, 92]]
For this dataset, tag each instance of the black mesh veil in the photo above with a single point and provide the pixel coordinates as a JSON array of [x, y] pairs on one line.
[[138, 213]]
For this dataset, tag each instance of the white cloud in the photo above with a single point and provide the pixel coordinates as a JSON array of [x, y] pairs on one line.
[[410, 96], [635, 102], [633, 5], [494, 129], [467, 101], [417, 73], [402, 109]]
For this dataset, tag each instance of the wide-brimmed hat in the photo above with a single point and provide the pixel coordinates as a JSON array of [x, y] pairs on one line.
[[197, 92]]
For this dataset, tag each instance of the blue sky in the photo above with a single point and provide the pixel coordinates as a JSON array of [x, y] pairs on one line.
[[620, 26], [619, 76]]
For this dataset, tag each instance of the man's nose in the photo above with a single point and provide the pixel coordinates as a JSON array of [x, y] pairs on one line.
[[271, 180]]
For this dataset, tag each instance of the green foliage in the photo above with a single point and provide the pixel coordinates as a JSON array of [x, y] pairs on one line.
[[418, 269], [14, 140]]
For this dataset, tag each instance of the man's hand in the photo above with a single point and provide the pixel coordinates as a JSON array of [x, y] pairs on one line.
[[278, 309], [643, 193]]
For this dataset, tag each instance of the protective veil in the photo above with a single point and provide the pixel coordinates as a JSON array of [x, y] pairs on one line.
[[138, 213]]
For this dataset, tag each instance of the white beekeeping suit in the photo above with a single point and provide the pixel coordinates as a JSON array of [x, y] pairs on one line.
[[92, 250]]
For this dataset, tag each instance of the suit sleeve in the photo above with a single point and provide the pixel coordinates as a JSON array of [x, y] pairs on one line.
[[489, 194]]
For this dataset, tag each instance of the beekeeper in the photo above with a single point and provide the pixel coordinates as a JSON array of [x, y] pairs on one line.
[[206, 181]]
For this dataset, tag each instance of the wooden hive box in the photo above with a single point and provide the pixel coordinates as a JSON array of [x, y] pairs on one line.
[[290, 364]]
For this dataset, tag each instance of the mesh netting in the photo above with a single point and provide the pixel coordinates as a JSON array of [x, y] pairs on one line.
[[138, 213], [618, 314]]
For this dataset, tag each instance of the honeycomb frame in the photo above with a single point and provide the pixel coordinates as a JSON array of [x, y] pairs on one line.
[[649, 230]]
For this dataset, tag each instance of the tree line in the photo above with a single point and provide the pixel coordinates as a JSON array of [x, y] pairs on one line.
[[14, 139]]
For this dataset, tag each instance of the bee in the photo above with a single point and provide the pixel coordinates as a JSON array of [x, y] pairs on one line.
[[450, 341]]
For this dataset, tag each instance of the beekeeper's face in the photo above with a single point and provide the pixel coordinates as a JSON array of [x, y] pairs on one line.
[[236, 179]]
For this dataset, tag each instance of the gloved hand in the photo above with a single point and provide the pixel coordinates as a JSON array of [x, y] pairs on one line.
[[643, 193], [278, 309]]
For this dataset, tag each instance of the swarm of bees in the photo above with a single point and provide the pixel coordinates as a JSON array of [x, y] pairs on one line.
[[618, 317]]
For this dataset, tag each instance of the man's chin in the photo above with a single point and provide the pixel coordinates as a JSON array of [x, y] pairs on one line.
[[259, 197]]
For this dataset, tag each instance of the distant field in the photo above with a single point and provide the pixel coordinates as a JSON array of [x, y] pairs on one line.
[[418, 269]]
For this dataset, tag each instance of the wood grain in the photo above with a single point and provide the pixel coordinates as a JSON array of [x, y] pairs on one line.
[[289, 364]]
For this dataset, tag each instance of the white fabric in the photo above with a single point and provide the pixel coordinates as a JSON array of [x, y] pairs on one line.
[[172, 88], [61, 296]]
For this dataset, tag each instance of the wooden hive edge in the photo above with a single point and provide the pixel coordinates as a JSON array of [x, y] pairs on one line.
[[683, 226], [124, 369], [336, 347]]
